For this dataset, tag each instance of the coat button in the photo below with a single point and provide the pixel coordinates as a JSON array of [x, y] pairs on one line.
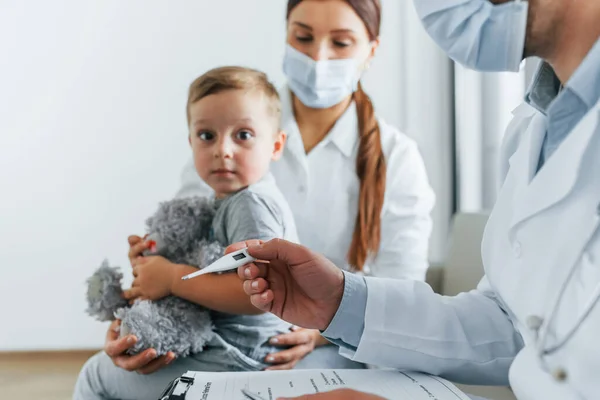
[[534, 322], [559, 375], [517, 249]]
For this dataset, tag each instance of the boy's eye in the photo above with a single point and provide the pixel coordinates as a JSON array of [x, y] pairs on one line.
[[205, 135], [244, 135]]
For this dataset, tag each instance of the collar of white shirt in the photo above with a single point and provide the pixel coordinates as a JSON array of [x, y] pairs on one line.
[[344, 134]]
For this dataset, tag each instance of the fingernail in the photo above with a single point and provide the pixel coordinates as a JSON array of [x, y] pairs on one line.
[[254, 285], [151, 355], [170, 360], [274, 340], [263, 296], [131, 340], [247, 272], [270, 359]]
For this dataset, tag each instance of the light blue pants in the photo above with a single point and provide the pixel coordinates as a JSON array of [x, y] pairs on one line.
[[100, 379]]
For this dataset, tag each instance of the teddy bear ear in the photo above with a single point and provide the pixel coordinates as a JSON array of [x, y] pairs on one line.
[[104, 292], [149, 223]]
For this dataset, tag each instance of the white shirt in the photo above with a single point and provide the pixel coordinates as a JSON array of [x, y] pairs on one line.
[[322, 189]]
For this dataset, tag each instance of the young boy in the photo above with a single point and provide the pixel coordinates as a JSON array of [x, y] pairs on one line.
[[233, 118]]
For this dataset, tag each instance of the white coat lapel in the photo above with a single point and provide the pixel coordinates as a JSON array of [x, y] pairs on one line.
[[522, 162], [556, 179]]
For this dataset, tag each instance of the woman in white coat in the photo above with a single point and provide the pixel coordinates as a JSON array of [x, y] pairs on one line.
[[357, 186]]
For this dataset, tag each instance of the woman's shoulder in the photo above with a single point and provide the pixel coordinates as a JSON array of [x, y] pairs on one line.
[[407, 175], [396, 142]]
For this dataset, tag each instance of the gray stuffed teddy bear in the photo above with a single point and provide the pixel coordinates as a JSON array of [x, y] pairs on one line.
[[180, 232]]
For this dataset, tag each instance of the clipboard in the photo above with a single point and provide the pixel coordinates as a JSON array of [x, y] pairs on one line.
[[386, 383], [178, 388]]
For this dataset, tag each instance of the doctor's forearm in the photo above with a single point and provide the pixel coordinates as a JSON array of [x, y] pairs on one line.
[[466, 338], [412, 270], [222, 292]]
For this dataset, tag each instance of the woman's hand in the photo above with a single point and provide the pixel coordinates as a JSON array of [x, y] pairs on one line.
[[153, 278], [144, 363], [303, 341]]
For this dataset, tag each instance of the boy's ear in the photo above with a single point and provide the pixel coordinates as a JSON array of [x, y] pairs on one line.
[[190, 139], [279, 145]]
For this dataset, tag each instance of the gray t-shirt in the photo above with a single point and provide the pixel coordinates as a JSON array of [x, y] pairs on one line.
[[257, 212]]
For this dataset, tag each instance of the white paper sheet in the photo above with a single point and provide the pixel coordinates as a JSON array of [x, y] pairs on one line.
[[273, 384]]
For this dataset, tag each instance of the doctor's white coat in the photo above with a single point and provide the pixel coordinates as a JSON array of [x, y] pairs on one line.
[[535, 316]]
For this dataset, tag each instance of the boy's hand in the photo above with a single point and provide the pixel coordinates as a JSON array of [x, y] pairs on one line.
[[137, 245], [153, 278]]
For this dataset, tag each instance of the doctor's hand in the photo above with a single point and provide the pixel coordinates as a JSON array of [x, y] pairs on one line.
[[340, 394], [297, 285], [145, 362]]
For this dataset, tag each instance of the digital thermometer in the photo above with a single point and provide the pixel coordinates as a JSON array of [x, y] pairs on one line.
[[226, 263]]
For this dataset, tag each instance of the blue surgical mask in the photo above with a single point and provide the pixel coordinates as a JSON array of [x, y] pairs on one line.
[[476, 33], [320, 84]]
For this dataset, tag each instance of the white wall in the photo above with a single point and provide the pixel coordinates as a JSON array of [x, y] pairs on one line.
[[484, 105], [427, 111], [92, 135]]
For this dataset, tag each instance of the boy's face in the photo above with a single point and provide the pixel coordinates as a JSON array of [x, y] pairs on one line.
[[234, 136]]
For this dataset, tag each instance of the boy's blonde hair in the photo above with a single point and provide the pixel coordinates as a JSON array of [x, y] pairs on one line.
[[234, 78]]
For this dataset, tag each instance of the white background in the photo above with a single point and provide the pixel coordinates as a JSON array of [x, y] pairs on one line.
[[93, 135]]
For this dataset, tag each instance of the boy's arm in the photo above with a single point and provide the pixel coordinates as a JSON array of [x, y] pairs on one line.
[[250, 217], [219, 292]]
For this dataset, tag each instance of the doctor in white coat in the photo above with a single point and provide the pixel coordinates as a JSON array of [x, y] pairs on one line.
[[534, 320]]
